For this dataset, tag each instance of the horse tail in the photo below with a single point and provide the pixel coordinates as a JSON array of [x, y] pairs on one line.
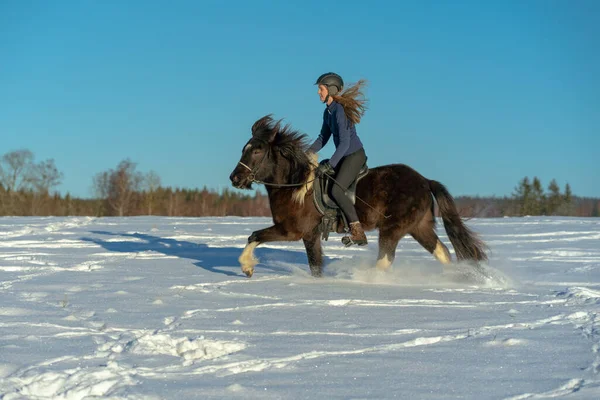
[[467, 245]]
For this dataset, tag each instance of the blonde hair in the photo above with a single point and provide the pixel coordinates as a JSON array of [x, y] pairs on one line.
[[353, 101]]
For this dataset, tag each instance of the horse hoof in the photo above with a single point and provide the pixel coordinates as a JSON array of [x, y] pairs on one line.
[[248, 272]]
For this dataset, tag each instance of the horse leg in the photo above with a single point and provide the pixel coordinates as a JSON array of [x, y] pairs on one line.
[[275, 233], [312, 243], [425, 235], [247, 260], [388, 241]]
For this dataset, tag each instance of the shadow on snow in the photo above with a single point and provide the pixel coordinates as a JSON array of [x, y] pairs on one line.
[[213, 259]]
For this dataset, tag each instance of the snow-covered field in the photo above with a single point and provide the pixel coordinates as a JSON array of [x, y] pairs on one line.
[[157, 307]]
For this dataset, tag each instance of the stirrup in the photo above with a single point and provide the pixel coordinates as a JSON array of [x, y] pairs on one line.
[[347, 241]]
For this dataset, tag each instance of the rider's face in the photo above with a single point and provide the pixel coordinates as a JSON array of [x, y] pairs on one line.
[[323, 92]]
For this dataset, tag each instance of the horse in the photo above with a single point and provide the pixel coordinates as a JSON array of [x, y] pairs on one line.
[[395, 199]]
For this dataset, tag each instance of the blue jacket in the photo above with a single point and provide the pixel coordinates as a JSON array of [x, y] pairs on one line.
[[343, 130]]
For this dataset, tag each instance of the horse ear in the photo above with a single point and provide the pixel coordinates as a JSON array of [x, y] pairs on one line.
[[261, 123], [274, 132]]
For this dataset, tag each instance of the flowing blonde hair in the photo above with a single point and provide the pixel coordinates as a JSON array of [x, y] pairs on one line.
[[353, 100]]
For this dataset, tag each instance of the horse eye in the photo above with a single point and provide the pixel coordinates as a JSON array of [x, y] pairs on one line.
[[256, 151]]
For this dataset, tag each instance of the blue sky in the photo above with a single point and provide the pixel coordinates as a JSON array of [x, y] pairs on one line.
[[474, 94]]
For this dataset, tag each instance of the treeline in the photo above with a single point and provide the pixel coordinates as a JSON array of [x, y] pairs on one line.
[[26, 189], [163, 201], [530, 198], [126, 192]]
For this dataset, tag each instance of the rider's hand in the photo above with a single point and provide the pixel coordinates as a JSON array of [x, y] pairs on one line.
[[325, 168]]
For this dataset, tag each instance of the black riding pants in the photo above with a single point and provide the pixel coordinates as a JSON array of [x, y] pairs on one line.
[[346, 171]]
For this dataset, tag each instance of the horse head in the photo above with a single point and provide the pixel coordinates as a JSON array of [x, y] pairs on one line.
[[274, 154], [254, 163]]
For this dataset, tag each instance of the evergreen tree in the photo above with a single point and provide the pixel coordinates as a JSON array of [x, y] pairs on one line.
[[538, 198], [596, 209], [567, 206], [554, 198], [568, 199], [522, 196], [68, 205]]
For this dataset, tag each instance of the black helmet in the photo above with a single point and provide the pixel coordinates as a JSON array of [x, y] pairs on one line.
[[332, 81]]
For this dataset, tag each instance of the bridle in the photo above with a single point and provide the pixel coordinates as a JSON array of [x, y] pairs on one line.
[[253, 172]]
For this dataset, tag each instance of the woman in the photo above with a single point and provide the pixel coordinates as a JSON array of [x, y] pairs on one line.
[[344, 110]]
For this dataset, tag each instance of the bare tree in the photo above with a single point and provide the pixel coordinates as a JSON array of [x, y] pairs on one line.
[[44, 176], [151, 183], [123, 183], [173, 207], [100, 189], [117, 187], [101, 184], [15, 169]]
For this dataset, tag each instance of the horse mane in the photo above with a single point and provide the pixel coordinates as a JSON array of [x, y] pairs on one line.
[[293, 146]]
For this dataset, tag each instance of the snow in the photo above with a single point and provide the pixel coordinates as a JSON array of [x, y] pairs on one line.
[[156, 308]]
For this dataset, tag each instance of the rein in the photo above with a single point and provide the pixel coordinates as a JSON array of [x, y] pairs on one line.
[[253, 179]]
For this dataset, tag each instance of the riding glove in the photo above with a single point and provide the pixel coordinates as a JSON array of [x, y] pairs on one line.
[[325, 168]]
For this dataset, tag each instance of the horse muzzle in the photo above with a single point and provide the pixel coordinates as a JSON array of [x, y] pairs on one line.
[[241, 180]]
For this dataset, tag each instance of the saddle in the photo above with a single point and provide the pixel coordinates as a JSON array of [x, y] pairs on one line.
[[328, 208]]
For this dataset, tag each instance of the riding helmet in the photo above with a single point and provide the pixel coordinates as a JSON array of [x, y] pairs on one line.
[[332, 81]]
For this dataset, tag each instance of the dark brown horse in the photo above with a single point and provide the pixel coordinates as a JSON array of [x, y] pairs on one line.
[[397, 201]]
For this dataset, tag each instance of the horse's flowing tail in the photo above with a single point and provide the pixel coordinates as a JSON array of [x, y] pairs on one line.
[[467, 245]]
